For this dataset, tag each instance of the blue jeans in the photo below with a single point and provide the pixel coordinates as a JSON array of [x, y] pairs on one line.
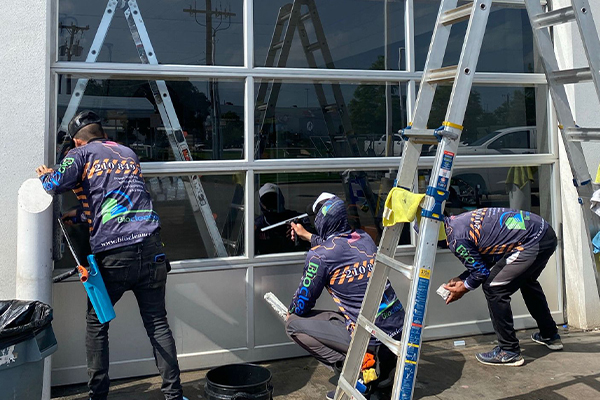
[[137, 268]]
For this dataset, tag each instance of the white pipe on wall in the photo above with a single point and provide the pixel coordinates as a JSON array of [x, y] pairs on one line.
[[34, 252]]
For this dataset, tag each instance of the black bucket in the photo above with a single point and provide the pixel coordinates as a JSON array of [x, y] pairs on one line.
[[237, 382]]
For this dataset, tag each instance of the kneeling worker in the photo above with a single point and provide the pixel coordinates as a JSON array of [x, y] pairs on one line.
[[504, 251], [342, 263]]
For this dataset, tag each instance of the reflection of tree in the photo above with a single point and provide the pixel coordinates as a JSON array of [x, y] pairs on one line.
[[233, 131], [367, 108], [518, 109], [474, 114]]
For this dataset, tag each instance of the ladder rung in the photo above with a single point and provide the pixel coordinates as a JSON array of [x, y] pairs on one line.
[[583, 134], [553, 18], [421, 136], [306, 16], [458, 14], [446, 74], [404, 269], [277, 46], [575, 75], [351, 391], [330, 108], [262, 107], [284, 17], [313, 47], [395, 346]]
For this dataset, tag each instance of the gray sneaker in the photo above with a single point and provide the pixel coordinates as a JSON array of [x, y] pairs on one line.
[[500, 357], [554, 343]]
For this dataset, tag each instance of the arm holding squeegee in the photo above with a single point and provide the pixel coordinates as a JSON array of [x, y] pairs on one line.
[[289, 221]]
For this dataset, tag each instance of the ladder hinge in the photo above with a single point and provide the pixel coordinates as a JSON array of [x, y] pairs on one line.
[[439, 196]]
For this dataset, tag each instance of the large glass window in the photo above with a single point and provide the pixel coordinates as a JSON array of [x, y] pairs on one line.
[[307, 125], [210, 114], [498, 120], [180, 32], [507, 45], [358, 34], [328, 119]]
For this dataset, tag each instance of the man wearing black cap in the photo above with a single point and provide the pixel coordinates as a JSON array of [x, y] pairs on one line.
[[124, 237]]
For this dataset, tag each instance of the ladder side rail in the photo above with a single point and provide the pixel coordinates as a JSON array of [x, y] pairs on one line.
[[559, 95], [92, 56], [440, 180], [589, 37], [435, 58], [172, 127], [375, 288]]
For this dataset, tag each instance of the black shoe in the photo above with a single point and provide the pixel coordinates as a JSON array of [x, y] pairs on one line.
[[554, 343], [500, 357], [330, 395]]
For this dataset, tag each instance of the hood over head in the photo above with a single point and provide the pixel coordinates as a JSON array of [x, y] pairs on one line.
[[331, 218]]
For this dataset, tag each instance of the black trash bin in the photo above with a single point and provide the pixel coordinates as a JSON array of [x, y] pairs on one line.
[[26, 338]]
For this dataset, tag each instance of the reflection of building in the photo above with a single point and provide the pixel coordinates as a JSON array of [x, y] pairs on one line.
[[216, 306]]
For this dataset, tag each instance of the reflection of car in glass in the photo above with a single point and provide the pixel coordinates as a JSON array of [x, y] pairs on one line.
[[376, 148], [486, 181]]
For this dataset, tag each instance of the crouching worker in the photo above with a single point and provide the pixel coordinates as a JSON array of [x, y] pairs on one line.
[[504, 251], [124, 237], [342, 263]]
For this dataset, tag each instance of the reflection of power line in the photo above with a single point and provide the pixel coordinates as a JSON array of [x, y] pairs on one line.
[[71, 47], [211, 33]]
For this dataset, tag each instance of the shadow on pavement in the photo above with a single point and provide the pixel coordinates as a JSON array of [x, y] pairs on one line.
[[439, 369], [574, 387]]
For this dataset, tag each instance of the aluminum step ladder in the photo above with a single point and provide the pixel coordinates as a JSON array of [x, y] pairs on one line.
[[202, 212], [447, 139], [578, 12], [292, 17]]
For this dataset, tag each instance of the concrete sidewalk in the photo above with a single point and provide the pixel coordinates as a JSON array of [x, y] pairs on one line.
[[446, 372]]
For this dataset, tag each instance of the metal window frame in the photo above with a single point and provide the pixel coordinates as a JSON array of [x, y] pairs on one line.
[[249, 74]]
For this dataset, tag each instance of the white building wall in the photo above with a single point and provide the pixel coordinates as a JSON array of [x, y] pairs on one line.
[[582, 301], [24, 115]]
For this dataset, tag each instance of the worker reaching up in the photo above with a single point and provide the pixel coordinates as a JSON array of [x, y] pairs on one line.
[[340, 262], [504, 251]]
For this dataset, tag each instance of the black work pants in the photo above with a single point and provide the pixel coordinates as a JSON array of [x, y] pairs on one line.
[[136, 268], [520, 271], [322, 333]]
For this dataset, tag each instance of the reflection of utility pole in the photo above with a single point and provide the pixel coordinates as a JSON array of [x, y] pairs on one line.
[[71, 47], [213, 84]]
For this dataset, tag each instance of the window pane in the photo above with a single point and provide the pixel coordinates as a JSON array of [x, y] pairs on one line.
[[184, 231], [213, 128], [498, 120], [507, 45], [294, 120], [516, 187], [363, 192], [351, 31], [180, 33]]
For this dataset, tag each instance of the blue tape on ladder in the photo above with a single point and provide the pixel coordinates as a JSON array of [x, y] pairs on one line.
[[437, 133], [402, 135], [439, 196]]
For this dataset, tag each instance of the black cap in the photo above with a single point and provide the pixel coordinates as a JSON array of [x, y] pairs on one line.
[[81, 120]]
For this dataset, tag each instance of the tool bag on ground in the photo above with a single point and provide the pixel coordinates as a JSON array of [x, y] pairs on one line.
[[21, 320]]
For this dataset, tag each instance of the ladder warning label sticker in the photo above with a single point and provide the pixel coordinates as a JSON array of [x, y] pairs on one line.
[[414, 336], [425, 273], [420, 301], [407, 380], [445, 168]]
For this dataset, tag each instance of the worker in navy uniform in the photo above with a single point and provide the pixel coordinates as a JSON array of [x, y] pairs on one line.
[[504, 250], [341, 262], [125, 238]]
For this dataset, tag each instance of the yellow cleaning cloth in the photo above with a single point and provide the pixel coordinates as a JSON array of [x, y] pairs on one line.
[[401, 206], [520, 176], [369, 375], [598, 175]]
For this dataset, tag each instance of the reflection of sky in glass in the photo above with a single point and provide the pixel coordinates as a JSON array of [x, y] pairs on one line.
[[175, 35], [354, 30]]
